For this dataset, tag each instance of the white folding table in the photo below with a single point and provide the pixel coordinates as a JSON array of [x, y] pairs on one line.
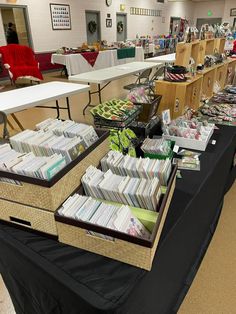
[[107, 75], [34, 96], [170, 58]]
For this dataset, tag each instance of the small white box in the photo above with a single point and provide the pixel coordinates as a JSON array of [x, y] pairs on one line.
[[191, 143]]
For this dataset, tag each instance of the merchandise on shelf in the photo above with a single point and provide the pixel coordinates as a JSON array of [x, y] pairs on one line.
[[175, 73], [191, 129], [218, 113], [138, 192], [191, 134], [106, 214], [157, 146], [226, 98], [123, 141], [115, 113], [67, 138], [138, 95], [137, 167], [28, 164], [70, 129]]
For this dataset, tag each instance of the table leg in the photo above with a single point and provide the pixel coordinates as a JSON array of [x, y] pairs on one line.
[[17, 122], [11, 125], [58, 109], [68, 107], [3, 120], [98, 91], [89, 102]]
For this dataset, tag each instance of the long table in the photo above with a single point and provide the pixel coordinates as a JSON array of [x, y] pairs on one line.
[[107, 75], [169, 58], [76, 63], [34, 96], [44, 276]]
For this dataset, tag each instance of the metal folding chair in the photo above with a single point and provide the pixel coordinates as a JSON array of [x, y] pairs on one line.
[[142, 79]]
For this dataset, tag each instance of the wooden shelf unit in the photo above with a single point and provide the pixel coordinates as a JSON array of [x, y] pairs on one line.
[[198, 50], [208, 80], [210, 45], [178, 96], [230, 71], [183, 54], [219, 45]]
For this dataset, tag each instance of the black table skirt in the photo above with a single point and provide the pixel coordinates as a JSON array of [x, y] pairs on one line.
[[47, 277]]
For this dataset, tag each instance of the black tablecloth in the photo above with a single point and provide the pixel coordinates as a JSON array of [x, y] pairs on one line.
[[47, 277]]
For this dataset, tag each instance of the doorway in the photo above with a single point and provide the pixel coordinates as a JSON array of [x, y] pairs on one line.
[[175, 23], [93, 27], [121, 26], [209, 21], [18, 17]]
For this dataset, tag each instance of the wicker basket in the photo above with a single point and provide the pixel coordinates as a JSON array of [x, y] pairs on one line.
[[125, 248], [27, 216], [51, 194]]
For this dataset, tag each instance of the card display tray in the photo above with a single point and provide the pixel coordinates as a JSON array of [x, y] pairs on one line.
[[190, 143], [51, 194], [29, 217], [123, 247]]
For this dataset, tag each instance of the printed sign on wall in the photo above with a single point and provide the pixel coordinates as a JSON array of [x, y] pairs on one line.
[[60, 15]]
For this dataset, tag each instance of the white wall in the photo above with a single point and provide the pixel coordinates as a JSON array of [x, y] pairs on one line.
[[229, 4], [179, 9], [45, 39], [201, 9]]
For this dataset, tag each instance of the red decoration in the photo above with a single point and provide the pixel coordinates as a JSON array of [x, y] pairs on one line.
[[91, 57], [21, 60]]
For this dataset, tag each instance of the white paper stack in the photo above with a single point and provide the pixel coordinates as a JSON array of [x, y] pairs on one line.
[[28, 164], [116, 217], [47, 144], [156, 146], [70, 129], [137, 167], [137, 192]]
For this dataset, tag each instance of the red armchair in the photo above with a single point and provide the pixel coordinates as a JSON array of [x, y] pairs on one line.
[[20, 62]]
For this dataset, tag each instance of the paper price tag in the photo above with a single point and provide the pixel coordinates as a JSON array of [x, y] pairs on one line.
[[176, 149], [166, 116]]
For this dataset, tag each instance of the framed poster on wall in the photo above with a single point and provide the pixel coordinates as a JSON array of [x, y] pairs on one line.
[[233, 12], [60, 16]]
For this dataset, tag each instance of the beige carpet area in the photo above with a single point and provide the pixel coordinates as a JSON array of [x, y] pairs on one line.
[[214, 288]]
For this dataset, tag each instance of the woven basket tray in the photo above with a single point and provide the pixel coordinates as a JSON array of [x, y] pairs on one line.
[[51, 194], [125, 248], [27, 216]]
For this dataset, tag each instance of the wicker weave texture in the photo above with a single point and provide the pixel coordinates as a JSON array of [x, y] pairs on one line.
[[163, 218], [52, 198], [120, 250], [38, 219]]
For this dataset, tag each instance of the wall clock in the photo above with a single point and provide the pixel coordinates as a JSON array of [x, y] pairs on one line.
[[108, 2]]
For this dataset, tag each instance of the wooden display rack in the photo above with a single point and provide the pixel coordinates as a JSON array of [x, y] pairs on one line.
[[230, 70], [221, 74], [183, 54], [185, 51], [208, 79], [219, 45], [178, 96]]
